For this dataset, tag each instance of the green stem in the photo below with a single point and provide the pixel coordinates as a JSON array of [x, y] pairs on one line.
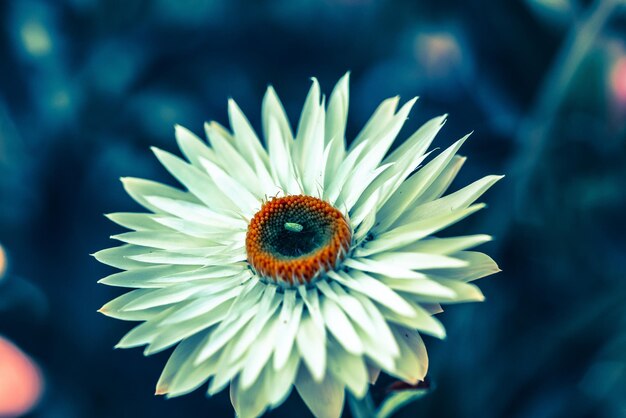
[[362, 408]]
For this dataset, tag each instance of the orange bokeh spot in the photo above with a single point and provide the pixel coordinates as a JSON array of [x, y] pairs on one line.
[[20, 381], [618, 80], [3, 262], [291, 258]]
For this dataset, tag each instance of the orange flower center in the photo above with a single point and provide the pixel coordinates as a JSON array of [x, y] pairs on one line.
[[293, 240]]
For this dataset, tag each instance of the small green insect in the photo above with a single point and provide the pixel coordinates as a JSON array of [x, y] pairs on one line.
[[293, 227]]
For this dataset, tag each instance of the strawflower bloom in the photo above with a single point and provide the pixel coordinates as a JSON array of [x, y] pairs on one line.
[[304, 262]]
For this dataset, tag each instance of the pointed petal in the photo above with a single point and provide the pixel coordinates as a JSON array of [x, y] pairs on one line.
[[340, 327], [118, 256], [193, 148], [198, 183], [457, 200], [349, 369], [138, 189], [412, 364], [325, 398], [311, 342], [412, 232], [414, 186]]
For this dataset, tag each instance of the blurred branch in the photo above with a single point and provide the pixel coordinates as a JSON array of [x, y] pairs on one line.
[[533, 133]]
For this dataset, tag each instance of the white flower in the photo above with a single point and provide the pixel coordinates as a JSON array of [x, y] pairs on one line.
[[303, 263]]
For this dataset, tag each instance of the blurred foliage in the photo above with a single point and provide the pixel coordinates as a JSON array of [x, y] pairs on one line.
[[87, 85]]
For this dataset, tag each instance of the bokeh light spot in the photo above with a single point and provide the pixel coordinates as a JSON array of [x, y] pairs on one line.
[[20, 381], [618, 80], [35, 38], [3, 262]]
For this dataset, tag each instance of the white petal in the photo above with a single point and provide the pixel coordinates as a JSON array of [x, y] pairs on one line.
[[356, 184], [246, 140], [259, 354], [411, 232], [335, 130], [202, 305], [289, 322], [227, 330], [284, 378], [227, 371], [422, 321], [375, 149], [406, 158], [349, 369], [333, 191], [165, 240], [418, 143], [193, 147], [375, 290], [135, 221], [196, 213], [143, 277], [282, 162], [348, 303], [439, 186], [179, 358], [446, 246], [245, 200], [139, 189], [143, 333], [339, 326], [383, 268], [165, 296], [311, 342], [235, 273], [380, 346], [231, 160], [379, 119], [480, 265], [418, 261], [118, 256], [272, 108], [114, 308], [324, 398], [309, 145], [249, 402], [374, 373], [361, 211], [423, 287], [457, 200], [190, 376], [198, 182], [364, 228], [249, 145], [201, 230], [461, 292], [414, 186], [170, 335], [370, 325], [412, 364], [267, 306], [311, 300], [168, 257]]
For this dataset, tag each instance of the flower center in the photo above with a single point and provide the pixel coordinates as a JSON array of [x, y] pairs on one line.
[[293, 240]]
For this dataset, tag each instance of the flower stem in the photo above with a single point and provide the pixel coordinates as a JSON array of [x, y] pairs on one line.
[[362, 408]]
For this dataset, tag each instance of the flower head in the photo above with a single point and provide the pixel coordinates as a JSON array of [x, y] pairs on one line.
[[304, 262]]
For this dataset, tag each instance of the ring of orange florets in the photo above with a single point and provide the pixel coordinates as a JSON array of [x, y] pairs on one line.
[[291, 257]]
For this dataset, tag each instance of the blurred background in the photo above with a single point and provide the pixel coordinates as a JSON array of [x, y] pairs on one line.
[[86, 86]]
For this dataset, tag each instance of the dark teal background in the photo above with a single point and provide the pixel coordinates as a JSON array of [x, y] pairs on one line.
[[86, 86]]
